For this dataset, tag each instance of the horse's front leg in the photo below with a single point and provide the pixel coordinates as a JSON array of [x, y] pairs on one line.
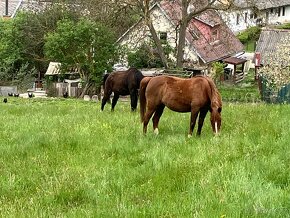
[[115, 99], [156, 117], [134, 99], [201, 117], [193, 117]]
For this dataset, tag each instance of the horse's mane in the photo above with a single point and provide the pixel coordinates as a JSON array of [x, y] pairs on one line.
[[215, 96], [137, 73]]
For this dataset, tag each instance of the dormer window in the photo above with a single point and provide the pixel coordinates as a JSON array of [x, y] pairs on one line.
[[163, 37], [215, 35]]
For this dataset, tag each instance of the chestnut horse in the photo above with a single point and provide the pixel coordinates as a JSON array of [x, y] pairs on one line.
[[122, 83], [197, 95]]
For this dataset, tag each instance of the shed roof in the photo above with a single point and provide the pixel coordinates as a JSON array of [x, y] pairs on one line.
[[270, 43], [54, 69], [235, 60]]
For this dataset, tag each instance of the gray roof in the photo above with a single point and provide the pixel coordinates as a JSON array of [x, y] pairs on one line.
[[29, 5], [262, 4], [12, 7], [270, 43]]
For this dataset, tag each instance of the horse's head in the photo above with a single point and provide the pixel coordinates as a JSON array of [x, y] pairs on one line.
[[216, 118]]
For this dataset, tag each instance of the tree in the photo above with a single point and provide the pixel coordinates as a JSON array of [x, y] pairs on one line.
[[85, 45], [189, 9], [22, 41]]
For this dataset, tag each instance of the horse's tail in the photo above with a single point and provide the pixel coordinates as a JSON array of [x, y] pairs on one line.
[[105, 77], [143, 85]]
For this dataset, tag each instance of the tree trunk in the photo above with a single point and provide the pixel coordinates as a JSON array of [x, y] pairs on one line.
[[87, 86], [182, 34], [181, 44], [158, 44]]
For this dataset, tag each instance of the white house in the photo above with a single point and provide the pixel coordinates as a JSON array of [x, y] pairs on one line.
[[258, 12], [208, 38]]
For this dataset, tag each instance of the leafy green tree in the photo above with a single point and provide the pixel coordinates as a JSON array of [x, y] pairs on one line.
[[22, 41], [85, 45]]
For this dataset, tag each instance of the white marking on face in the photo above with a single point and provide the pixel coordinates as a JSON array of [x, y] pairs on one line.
[[156, 131], [216, 127]]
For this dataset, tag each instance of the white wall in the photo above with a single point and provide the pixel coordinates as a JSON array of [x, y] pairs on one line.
[[231, 18], [140, 33]]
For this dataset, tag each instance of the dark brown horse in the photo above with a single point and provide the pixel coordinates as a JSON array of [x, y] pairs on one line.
[[197, 95], [122, 83]]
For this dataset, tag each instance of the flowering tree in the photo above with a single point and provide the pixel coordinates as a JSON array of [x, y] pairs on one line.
[[277, 72]]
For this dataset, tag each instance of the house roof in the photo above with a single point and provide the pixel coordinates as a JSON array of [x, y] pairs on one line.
[[262, 4], [226, 46], [270, 43], [13, 5]]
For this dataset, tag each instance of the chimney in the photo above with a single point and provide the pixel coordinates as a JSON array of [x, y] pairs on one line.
[[6, 8], [6, 12]]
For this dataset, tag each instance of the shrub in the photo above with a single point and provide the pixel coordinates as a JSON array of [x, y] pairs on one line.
[[250, 34]]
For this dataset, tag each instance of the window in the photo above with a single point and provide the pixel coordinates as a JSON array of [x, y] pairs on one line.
[[238, 19], [163, 37], [279, 12], [214, 35], [246, 17], [283, 11]]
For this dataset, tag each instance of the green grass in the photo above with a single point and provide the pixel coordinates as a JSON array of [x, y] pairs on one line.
[[246, 91], [65, 158]]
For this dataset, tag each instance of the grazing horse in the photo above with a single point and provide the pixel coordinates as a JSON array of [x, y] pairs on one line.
[[197, 95], [122, 83]]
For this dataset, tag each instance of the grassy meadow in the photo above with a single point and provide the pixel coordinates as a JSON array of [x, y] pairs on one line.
[[65, 158]]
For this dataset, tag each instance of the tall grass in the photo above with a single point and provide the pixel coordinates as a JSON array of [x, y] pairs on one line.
[[65, 158]]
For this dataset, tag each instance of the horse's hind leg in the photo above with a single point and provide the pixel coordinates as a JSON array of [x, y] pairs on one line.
[[201, 117], [156, 117], [105, 99], [134, 99], [148, 115], [114, 101]]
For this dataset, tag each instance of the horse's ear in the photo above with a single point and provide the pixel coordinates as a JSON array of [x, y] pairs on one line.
[[219, 109]]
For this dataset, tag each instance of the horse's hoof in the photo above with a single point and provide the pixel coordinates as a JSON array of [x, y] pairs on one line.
[[156, 131]]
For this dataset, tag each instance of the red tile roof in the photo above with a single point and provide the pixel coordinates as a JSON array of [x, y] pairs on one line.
[[200, 30]]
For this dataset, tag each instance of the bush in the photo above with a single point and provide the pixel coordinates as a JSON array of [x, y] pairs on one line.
[[250, 34], [147, 56]]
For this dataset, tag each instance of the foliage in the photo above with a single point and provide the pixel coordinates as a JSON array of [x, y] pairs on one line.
[[10, 51], [22, 41], [63, 158], [277, 72], [146, 56], [284, 26], [85, 45], [250, 34], [218, 70]]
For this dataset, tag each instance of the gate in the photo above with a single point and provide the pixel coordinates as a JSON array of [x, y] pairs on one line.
[[271, 96]]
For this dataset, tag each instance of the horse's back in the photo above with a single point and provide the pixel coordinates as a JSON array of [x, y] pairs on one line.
[[178, 94]]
